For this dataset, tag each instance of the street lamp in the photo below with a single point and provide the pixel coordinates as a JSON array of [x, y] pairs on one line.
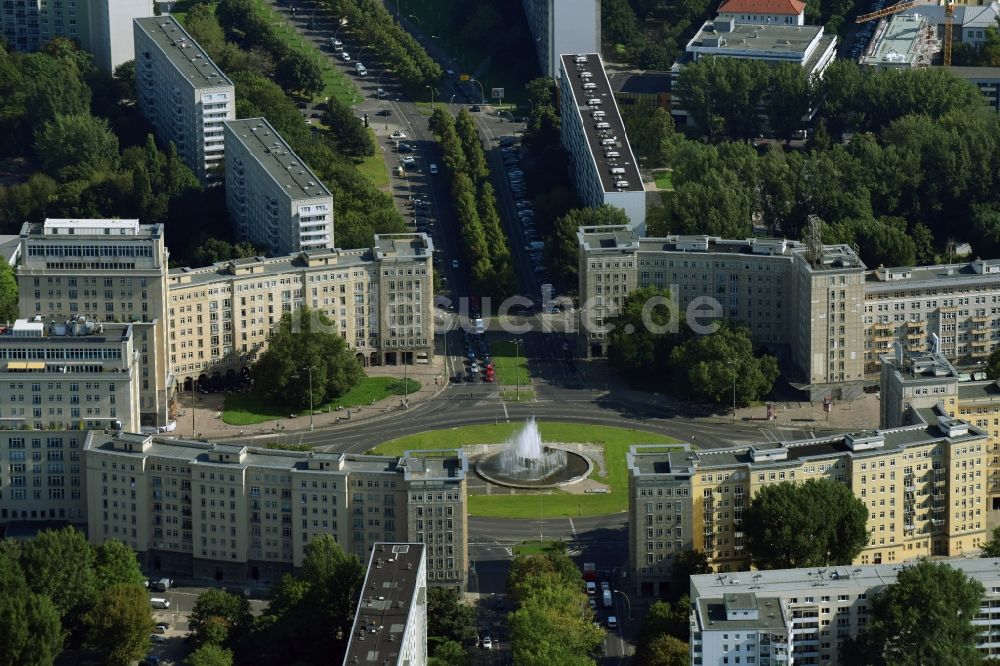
[[517, 368], [482, 93], [734, 397], [451, 103], [310, 369], [629, 603], [432, 96]]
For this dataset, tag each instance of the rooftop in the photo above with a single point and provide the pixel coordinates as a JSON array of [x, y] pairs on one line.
[[448, 464], [588, 69], [974, 391], [764, 613], [392, 584], [786, 42], [402, 247], [786, 7], [810, 581], [88, 229], [834, 257], [286, 169], [641, 83], [183, 52], [73, 331], [765, 455], [921, 277], [907, 39], [921, 365], [976, 73]]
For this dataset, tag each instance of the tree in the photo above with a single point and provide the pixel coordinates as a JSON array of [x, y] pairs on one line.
[[663, 650], [8, 293], [75, 147], [993, 366], [216, 614], [60, 565], [718, 365], [52, 87], [306, 340], [119, 624], [687, 563], [450, 653], [992, 547], [925, 617], [31, 632], [812, 524], [643, 334], [125, 79], [116, 564], [447, 616], [299, 71], [210, 655]]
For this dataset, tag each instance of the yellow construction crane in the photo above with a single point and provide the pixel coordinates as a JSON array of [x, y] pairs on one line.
[[949, 13]]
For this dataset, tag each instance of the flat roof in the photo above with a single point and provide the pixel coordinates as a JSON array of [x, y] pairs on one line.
[[616, 128], [987, 391], [977, 73], [397, 247], [976, 272], [391, 586], [183, 52], [293, 176], [67, 229], [834, 257], [258, 267], [685, 461], [905, 40], [756, 38], [812, 581], [770, 614], [921, 365]]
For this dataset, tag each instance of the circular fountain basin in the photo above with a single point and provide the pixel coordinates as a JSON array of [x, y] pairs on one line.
[[495, 468]]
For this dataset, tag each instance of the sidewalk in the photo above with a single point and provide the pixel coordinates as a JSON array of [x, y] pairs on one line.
[[206, 415], [801, 415]]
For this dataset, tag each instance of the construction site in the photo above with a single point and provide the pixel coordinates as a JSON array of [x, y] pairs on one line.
[[904, 41]]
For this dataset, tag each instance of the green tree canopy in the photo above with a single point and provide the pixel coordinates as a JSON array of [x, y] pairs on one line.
[[447, 616], [8, 293], [992, 547], [451, 653], [74, 147], [31, 633], [60, 565], [116, 564], [924, 618], [119, 624], [643, 334], [812, 524], [216, 615], [301, 341], [210, 655]]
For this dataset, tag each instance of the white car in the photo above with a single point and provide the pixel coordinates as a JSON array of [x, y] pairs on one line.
[[398, 134], [454, 263], [487, 643], [345, 56], [612, 622], [408, 159], [433, 168], [604, 586]]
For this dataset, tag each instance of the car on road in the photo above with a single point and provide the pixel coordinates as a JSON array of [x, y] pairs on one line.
[[156, 638], [404, 147], [592, 603], [384, 112], [433, 168], [612, 622], [345, 56], [380, 93], [398, 134], [408, 159], [591, 587], [604, 584], [454, 263], [487, 643], [475, 108], [161, 628], [457, 379]]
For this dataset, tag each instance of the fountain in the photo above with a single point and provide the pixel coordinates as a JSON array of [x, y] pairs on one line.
[[524, 461]]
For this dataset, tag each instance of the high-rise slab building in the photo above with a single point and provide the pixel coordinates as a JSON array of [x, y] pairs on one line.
[[102, 27], [563, 26], [183, 94], [274, 200], [803, 616], [379, 299], [232, 512], [107, 271], [924, 484], [390, 623], [56, 381]]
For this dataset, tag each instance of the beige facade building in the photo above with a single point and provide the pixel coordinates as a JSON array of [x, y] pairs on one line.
[[183, 94], [56, 381], [232, 513], [107, 271], [924, 484], [803, 305], [380, 300]]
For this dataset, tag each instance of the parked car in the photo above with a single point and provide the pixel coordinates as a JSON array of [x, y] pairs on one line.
[[433, 168], [475, 108], [398, 134], [408, 160], [156, 638], [487, 643], [404, 148], [345, 56]]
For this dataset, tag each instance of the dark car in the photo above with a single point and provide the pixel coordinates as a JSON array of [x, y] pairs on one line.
[[384, 112], [457, 379], [470, 378], [475, 108], [404, 148]]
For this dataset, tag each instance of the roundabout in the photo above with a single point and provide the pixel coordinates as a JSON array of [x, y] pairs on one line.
[[597, 448]]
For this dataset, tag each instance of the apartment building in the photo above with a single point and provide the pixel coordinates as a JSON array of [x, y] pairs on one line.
[[809, 612], [390, 623], [986, 79], [602, 166], [183, 94], [107, 271], [958, 303], [231, 512], [379, 299], [563, 26], [924, 484], [802, 304], [764, 12], [274, 200], [918, 380], [57, 380], [102, 27]]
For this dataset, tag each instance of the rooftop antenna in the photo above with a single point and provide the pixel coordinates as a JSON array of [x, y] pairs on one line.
[[814, 241]]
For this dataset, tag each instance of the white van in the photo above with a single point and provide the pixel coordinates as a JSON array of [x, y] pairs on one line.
[[580, 58], [608, 142], [159, 603], [615, 171], [589, 86], [612, 154], [597, 114], [621, 183], [602, 125], [594, 101]]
